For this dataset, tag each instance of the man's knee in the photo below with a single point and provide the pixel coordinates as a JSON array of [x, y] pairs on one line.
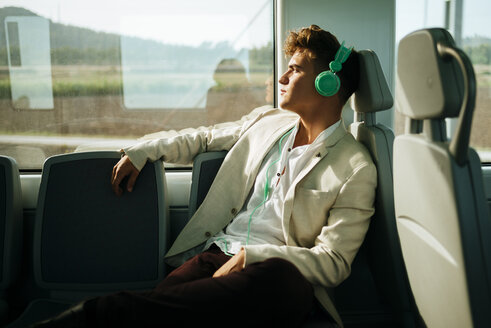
[[285, 289], [280, 267], [283, 275]]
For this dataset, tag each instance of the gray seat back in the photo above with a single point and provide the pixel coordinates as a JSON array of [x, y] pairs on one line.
[[87, 240], [441, 211], [86, 237], [381, 248], [10, 221], [205, 168], [10, 228]]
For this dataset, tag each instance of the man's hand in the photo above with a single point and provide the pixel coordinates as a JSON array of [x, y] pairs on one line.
[[236, 263], [121, 170]]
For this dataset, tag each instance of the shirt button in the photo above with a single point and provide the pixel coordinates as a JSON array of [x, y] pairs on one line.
[[207, 234], [233, 211]]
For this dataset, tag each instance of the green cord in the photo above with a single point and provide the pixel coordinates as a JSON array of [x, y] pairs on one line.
[[266, 191], [266, 188], [226, 248]]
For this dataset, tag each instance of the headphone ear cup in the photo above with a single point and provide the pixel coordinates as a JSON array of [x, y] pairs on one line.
[[327, 83]]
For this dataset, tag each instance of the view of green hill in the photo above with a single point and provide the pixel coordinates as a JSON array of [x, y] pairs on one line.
[[478, 49], [65, 35], [475, 41], [88, 62], [72, 45]]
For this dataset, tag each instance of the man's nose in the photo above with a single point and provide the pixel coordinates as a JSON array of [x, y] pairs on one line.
[[283, 79]]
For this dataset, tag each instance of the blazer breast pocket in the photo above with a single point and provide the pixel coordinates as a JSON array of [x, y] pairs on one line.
[[310, 212]]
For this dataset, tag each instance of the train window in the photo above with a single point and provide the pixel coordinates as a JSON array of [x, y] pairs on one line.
[[476, 42], [467, 21], [78, 72]]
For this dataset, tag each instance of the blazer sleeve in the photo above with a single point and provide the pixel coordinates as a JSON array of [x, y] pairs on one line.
[[183, 147], [328, 262]]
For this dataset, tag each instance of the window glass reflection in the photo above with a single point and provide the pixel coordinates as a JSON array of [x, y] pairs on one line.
[[110, 72]]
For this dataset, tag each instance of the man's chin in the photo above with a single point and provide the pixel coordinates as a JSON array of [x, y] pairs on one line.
[[284, 105], [287, 107]]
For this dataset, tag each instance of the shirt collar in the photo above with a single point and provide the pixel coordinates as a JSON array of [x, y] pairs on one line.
[[322, 136]]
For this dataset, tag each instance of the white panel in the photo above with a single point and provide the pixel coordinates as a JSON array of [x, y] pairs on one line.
[[178, 186], [363, 24], [30, 69], [30, 190]]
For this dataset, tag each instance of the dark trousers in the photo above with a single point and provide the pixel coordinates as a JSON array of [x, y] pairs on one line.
[[265, 294]]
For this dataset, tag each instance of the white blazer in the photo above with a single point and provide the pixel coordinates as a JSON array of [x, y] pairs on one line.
[[327, 208]]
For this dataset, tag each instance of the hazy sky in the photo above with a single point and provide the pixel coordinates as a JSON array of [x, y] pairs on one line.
[[192, 22], [410, 15], [185, 22]]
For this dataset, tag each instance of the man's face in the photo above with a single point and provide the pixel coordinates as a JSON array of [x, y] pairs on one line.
[[298, 92]]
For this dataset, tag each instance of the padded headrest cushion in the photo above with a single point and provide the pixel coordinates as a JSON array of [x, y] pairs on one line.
[[373, 94], [428, 86]]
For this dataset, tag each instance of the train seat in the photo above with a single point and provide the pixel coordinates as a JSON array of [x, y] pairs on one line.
[[10, 229], [381, 250], [88, 241], [442, 216]]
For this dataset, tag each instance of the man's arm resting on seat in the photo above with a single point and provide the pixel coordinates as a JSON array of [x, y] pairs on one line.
[[179, 149], [182, 148]]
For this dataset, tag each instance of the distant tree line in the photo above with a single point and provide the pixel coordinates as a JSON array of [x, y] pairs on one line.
[[260, 60], [262, 57], [72, 56], [72, 45], [480, 54], [179, 56]]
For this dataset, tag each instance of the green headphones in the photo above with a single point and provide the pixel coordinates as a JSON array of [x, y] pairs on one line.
[[327, 83]]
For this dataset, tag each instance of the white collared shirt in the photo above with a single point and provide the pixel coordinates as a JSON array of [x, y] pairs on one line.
[[259, 221]]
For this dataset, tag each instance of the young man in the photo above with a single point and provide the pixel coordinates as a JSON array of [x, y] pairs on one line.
[[283, 220]]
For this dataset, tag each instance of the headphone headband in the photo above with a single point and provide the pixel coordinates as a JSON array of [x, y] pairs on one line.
[[342, 54], [327, 83]]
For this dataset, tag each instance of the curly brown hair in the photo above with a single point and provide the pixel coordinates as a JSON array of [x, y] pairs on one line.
[[321, 46]]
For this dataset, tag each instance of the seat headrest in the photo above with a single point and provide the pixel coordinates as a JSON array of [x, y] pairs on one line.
[[428, 86], [373, 94]]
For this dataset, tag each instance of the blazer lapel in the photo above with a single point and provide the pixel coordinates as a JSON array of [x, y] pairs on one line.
[[328, 143], [268, 143], [339, 133]]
